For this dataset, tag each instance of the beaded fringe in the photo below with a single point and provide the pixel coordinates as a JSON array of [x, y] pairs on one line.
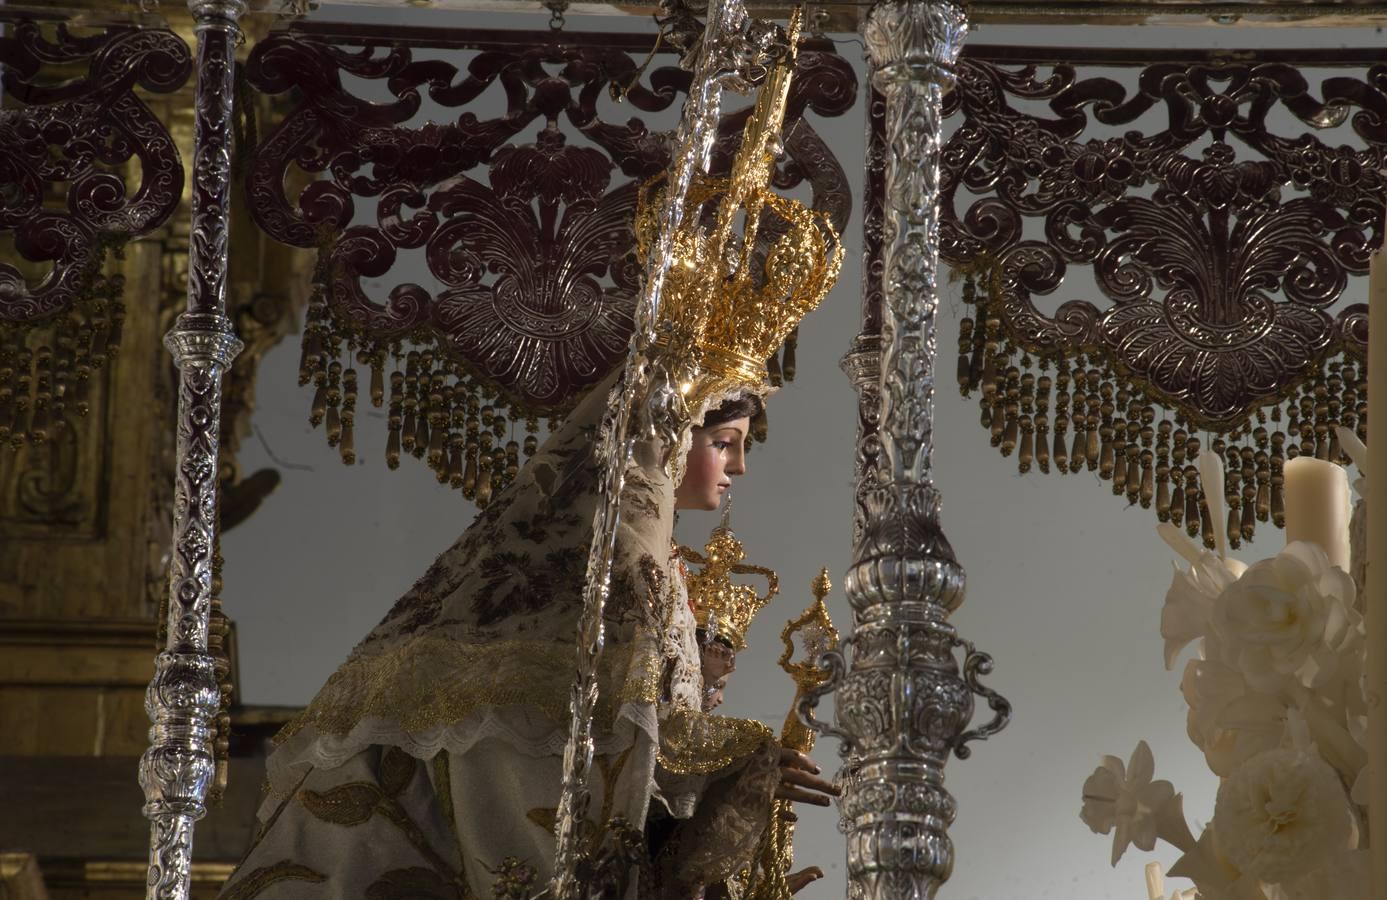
[[46, 368], [439, 411], [1070, 413]]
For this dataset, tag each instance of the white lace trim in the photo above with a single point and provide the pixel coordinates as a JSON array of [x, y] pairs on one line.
[[713, 401], [678, 461], [528, 731], [681, 649]]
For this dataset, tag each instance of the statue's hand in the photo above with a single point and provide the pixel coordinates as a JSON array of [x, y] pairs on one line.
[[798, 881], [800, 781]]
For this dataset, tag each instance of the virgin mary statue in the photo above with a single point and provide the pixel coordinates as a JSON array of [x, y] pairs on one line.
[[429, 765]]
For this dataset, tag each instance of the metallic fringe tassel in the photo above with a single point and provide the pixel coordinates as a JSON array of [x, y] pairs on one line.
[[438, 411], [46, 368], [1074, 413]]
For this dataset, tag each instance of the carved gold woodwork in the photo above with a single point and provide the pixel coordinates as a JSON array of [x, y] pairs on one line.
[[20, 877]]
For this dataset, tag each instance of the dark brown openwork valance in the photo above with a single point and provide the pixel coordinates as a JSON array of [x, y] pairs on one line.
[[530, 242], [1221, 249], [73, 128]]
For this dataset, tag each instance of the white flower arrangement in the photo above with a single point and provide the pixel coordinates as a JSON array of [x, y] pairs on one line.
[[1276, 704]]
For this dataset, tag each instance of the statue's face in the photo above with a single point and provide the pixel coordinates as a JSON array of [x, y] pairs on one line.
[[719, 662], [715, 456]]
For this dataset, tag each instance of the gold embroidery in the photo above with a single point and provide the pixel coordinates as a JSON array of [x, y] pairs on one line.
[[356, 802], [256, 882], [695, 743], [652, 601], [592, 834], [443, 788], [729, 822], [347, 804], [546, 819], [396, 815], [397, 770], [611, 771], [435, 680]]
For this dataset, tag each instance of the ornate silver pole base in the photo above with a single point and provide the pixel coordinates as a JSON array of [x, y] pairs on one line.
[[182, 700], [905, 702]]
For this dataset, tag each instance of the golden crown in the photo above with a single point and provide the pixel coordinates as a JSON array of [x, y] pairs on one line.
[[724, 310], [721, 607]]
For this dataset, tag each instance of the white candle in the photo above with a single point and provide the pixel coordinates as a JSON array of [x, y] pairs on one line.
[[1377, 574], [1317, 506], [1174, 536], [1211, 478], [1155, 882], [1353, 448]]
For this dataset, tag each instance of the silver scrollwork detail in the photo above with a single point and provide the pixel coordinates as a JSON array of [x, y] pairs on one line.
[[904, 702], [182, 699], [862, 365]]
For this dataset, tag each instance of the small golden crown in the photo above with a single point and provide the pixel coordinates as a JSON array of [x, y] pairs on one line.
[[813, 633], [723, 310], [724, 609], [806, 639]]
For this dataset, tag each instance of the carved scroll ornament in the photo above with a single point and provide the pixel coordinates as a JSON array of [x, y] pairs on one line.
[[67, 143], [1221, 248], [531, 242]]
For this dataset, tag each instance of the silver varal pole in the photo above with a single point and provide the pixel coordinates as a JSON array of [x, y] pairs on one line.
[[648, 400], [904, 703], [182, 699]]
